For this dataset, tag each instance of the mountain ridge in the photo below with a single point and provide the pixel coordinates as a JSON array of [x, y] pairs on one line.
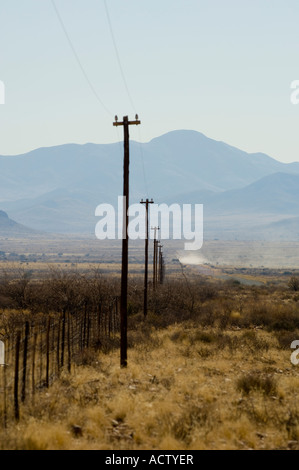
[[9, 227], [57, 189]]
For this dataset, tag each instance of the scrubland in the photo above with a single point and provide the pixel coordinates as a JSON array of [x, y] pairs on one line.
[[209, 368]]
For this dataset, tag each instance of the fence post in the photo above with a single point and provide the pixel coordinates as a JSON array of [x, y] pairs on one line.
[[48, 351], [81, 333], [16, 384], [63, 337], [53, 348], [99, 322], [85, 325], [41, 356], [58, 347], [33, 364], [69, 341], [88, 331], [25, 352], [4, 397]]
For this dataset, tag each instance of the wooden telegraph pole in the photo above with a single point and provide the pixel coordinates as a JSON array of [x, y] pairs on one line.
[[146, 202], [125, 242], [155, 257], [160, 264]]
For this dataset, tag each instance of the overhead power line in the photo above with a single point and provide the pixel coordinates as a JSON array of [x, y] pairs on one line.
[[118, 57], [78, 59], [92, 88], [143, 164], [127, 89]]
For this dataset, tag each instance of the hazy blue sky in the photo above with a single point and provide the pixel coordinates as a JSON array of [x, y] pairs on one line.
[[222, 67]]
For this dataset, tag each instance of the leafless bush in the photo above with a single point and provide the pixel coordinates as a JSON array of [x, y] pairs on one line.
[[285, 339], [257, 382], [294, 283]]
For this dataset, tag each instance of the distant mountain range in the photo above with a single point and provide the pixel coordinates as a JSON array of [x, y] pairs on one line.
[[245, 195], [10, 228]]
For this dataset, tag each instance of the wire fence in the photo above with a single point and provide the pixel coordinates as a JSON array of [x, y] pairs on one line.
[[39, 347]]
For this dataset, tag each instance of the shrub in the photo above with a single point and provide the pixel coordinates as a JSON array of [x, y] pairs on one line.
[[255, 381], [285, 339], [294, 284], [205, 337]]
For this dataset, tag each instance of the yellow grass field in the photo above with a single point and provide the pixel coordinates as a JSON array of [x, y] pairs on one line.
[[210, 367], [179, 392], [186, 387]]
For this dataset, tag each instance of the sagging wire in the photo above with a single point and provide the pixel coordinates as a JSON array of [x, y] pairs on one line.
[[78, 59]]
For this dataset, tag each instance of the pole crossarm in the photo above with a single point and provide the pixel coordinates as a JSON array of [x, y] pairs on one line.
[[126, 121], [129, 122]]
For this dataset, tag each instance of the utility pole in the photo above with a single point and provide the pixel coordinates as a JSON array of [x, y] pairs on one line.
[[125, 242], [162, 270], [157, 262], [155, 257], [160, 264], [146, 202]]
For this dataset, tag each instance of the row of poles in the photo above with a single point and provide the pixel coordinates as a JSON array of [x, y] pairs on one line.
[[158, 263], [158, 258]]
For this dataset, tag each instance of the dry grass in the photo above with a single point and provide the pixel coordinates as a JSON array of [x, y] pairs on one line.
[[209, 369], [184, 388]]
